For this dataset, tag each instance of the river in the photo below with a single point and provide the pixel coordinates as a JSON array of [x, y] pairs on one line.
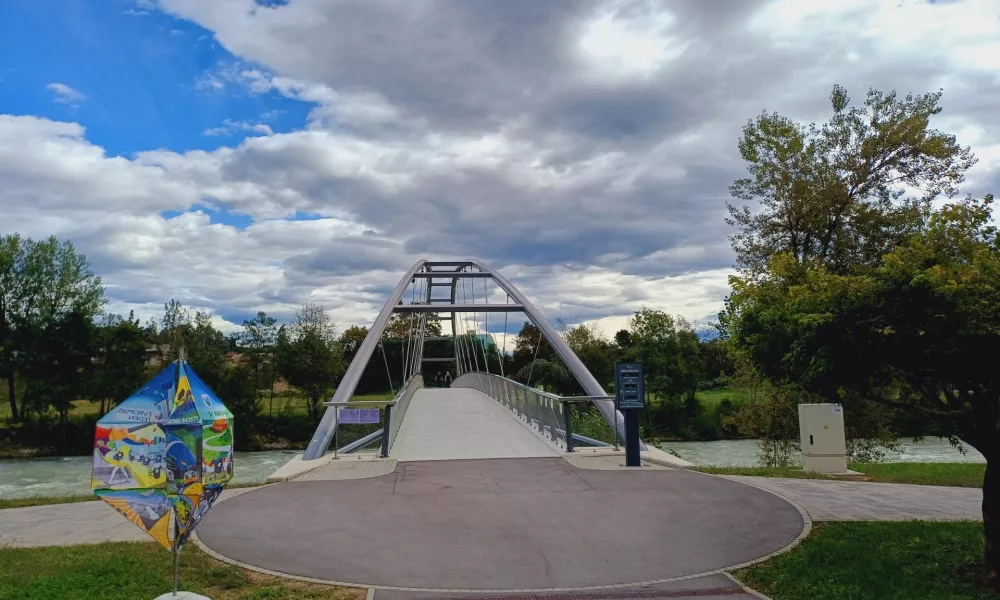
[[65, 476], [70, 475]]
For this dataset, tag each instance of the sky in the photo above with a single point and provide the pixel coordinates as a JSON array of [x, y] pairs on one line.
[[245, 155]]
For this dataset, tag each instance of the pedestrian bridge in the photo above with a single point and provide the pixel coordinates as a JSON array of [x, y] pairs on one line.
[[482, 414]]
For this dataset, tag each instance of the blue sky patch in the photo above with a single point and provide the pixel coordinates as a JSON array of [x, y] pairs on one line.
[[139, 80]]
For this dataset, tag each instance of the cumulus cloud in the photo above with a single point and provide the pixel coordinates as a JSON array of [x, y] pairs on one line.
[[585, 146], [63, 94]]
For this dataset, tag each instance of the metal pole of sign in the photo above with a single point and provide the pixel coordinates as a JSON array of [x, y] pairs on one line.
[[616, 420]]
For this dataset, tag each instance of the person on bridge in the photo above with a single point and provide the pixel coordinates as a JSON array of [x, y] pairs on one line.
[[447, 379], [437, 378]]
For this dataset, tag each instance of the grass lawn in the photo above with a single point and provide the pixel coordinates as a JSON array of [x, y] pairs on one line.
[[116, 570], [710, 398], [948, 474], [878, 561]]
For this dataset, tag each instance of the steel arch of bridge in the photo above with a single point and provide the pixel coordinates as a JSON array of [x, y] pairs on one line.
[[453, 270]]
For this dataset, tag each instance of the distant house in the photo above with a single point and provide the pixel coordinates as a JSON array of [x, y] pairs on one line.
[[237, 358], [154, 355]]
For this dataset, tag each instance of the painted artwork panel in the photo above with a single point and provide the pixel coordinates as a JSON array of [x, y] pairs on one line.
[[217, 452], [184, 507], [183, 410], [149, 510], [129, 457], [209, 406], [183, 456], [150, 404], [208, 498]]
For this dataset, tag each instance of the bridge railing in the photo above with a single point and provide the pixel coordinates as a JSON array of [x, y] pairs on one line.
[[350, 436], [565, 422], [402, 399]]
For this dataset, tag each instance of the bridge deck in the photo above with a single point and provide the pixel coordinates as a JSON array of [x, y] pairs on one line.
[[462, 423]]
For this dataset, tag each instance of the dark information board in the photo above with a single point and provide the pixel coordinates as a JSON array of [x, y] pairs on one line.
[[629, 387]]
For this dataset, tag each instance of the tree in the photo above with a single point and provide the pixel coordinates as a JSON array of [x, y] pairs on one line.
[[835, 195], [529, 345], [623, 339], [175, 322], [835, 198], [310, 358], [121, 366], [350, 341], [548, 373], [40, 283], [401, 326], [593, 350], [669, 349], [205, 349], [13, 279], [258, 337], [918, 333], [236, 389], [59, 364]]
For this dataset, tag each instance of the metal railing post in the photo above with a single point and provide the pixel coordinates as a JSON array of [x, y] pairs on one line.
[[567, 407]]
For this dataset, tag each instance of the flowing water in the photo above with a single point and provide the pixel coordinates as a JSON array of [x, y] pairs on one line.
[[744, 453], [70, 475]]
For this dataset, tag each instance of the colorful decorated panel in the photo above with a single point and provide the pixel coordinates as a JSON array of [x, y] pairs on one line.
[[129, 457], [162, 457], [147, 509]]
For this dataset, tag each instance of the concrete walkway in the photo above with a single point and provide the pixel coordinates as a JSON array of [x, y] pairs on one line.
[[826, 500], [462, 423]]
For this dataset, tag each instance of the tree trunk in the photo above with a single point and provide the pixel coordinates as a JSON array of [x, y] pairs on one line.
[[11, 393], [991, 522], [63, 418], [102, 406], [24, 404]]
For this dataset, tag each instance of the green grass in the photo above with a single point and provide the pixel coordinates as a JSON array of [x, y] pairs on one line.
[[878, 561], [116, 570], [947, 474], [951, 474], [710, 398]]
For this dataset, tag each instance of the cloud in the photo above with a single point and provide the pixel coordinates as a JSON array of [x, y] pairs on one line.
[[65, 94], [230, 127], [585, 147]]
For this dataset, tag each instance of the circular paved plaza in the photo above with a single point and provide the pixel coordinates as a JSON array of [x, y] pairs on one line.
[[502, 525]]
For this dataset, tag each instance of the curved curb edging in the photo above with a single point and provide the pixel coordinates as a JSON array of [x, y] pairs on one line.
[[806, 528], [724, 571]]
